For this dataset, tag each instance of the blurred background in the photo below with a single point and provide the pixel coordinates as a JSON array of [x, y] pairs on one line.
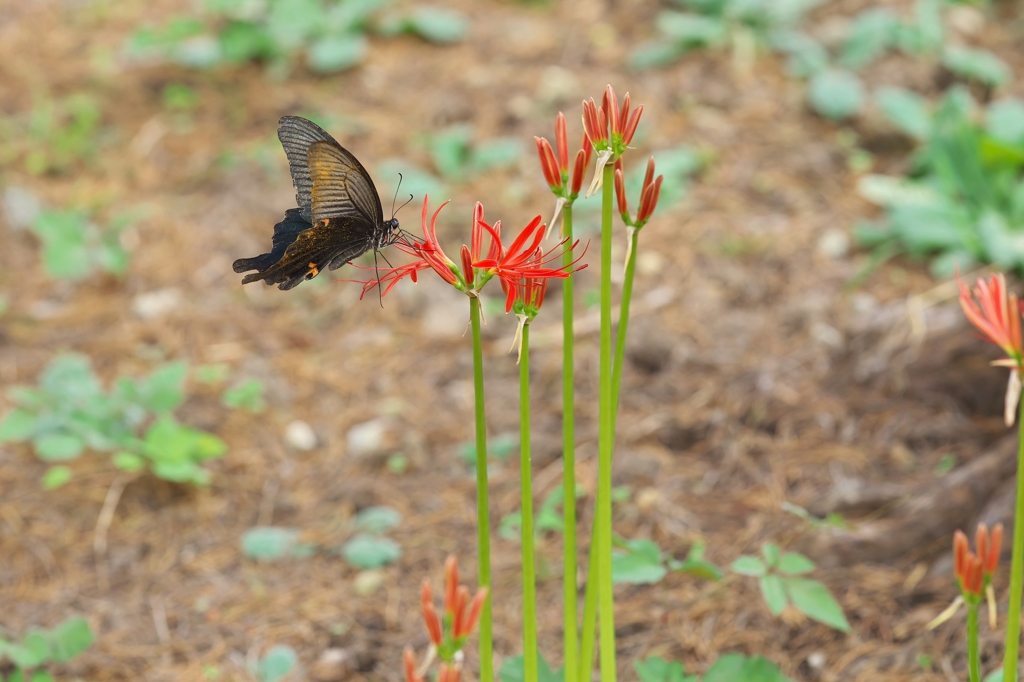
[[200, 481]]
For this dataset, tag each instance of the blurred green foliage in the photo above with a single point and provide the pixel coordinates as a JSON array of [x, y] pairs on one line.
[[74, 246], [963, 200], [69, 412], [40, 647], [329, 34]]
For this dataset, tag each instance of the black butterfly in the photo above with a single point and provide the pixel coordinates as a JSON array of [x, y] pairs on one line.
[[339, 215]]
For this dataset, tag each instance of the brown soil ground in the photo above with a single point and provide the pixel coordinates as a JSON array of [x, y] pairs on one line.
[[755, 374]]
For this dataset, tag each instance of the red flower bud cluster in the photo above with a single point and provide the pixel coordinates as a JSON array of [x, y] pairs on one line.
[[974, 571], [556, 167], [649, 194], [610, 125], [448, 630]]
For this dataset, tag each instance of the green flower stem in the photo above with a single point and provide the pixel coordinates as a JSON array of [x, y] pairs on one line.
[[483, 518], [1010, 660], [606, 433], [972, 643], [586, 664], [620, 339], [526, 505], [568, 459]]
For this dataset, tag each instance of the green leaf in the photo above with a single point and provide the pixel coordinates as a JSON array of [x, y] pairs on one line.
[[70, 638], [271, 543], [512, 670], [771, 554], [1004, 120], [739, 668], [58, 447], [247, 395], [995, 676], [696, 565], [692, 30], [41, 676], [242, 41], [655, 53], [496, 153], [749, 565], [18, 425], [277, 663], [871, 34], [211, 374], [806, 55], [71, 377], [907, 110], [774, 593], [792, 563], [334, 53], [656, 669], [817, 602], [979, 65], [437, 25], [34, 650], [56, 476], [636, 569], [377, 519], [370, 551], [836, 94], [450, 150], [129, 461], [163, 390]]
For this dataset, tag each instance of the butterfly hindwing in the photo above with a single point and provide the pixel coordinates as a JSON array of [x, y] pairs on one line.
[[329, 244], [285, 232], [341, 186]]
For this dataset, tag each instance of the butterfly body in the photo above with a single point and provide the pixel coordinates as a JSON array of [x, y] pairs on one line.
[[338, 218]]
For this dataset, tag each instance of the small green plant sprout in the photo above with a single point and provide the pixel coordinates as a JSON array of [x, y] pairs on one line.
[[74, 246], [548, 517], [41, 647], [512, 670], [963, 201], [779, 574], [367, 548], [59, 134], [278, 664], [641, 561], [458, 158], [499, 447], [728, 668], [657, 669], [743, 25], [833, 520], [329, 36], [247, 395], [69, 412]]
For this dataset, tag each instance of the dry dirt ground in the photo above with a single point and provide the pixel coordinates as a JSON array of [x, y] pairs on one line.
[[756, 374]]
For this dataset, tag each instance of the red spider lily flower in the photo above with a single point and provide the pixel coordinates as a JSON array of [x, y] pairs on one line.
[[974, 571], [623, 123], [996, 314], [409, 663], [431, 255], [430, 617], [522, 260]]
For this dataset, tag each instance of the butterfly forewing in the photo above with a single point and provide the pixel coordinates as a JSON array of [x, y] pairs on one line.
[[296, 135], [341, 186]]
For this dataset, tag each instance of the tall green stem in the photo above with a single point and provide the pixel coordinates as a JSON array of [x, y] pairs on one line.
[[526, 492], [568, 460], [586, 664], [973, 660], [620, 338], [606, 434], [590, 600], [1010, 660], [483, 519]]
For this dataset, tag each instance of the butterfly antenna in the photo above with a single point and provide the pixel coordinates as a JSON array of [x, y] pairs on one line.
[[394, 198], [406, 203]]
